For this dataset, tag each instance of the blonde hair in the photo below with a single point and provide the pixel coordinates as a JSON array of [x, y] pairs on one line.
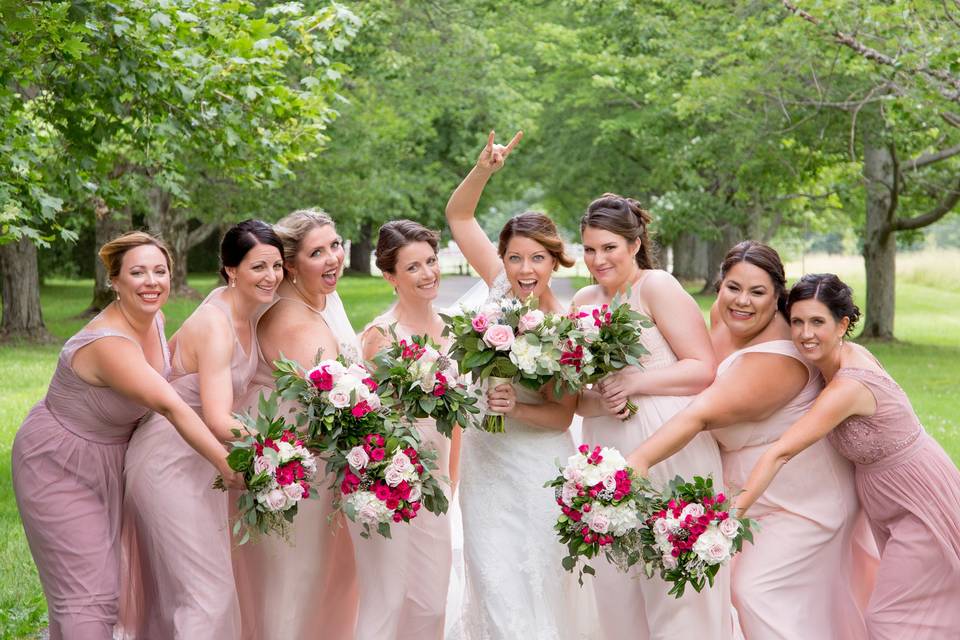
[[294, 227], [111, 254]]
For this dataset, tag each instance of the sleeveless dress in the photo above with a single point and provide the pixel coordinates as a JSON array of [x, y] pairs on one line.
[[68, 479], [800, 561], [304, 587], [910, 490], [178, 575], [630, 605], [515, 585], [404, 580]]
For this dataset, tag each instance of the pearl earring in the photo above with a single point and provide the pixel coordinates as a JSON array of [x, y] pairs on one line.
[[294, 278], [233, 283]]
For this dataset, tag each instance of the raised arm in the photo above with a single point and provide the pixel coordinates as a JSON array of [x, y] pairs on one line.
[[841, 399], [462, 207], [753, 388], [119, 364]]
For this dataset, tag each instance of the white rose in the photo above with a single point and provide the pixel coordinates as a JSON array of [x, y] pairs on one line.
[[334, 368], [285, 451], [393, 476], [694, 509], [568, 492], [358, 371], [729, 527], [293, 491], [609, 482], [661, 527], [401, 461], [374, 401], [274, 500], [339, 398], [530, 320], [415, 492], [524, 355], [358, 458], [599, 522], [712, 547], [669, 562], [261, 464]]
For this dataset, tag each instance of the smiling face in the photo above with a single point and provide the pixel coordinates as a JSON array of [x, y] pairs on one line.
[[259, 273], [610, 258], [417, 272], [528, 265], [319, 260], [747, 300], [815, 332], [144, 279]]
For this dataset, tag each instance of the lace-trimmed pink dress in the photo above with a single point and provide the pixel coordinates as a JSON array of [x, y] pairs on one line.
[[68, 479], [178, 579], [404, 580], [312, 574], [910, 490], [794, 582], [631, 606]]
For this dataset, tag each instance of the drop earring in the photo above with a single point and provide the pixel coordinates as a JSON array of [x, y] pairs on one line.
[[233, 283], [294, 278]]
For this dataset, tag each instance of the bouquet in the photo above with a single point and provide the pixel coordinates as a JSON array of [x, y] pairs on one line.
[[277, 468], [603, 340], [387, 479], [505, 342], [420, 382], [691, 534], [602, 503]]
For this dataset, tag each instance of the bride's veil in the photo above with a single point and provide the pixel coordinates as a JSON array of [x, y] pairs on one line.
[[474, 298]]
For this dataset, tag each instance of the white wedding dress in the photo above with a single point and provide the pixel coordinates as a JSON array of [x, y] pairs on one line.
[[515, 586]]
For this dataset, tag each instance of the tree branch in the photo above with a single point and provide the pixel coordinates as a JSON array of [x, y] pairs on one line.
[[201, 233], [942, 209], [929, 158]]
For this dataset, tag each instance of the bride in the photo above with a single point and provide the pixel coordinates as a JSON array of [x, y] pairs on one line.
[[515, 584]]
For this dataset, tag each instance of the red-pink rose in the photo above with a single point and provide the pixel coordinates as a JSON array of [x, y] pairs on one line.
[[378, 454], [361, 409]]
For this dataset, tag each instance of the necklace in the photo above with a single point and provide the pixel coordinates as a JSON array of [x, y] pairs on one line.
[[303, 299]]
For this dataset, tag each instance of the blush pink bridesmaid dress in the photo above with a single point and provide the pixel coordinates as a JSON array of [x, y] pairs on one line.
[[631, 606], [794, 581], [910, 490], [304, 587], [68, 480], [178, 578]]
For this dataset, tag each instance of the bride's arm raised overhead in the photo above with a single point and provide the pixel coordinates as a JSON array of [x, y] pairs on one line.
[[462, 207]]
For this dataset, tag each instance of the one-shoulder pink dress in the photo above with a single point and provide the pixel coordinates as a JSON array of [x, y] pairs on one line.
[[910, 490], [178, 578], [68, 479], [794, 581]]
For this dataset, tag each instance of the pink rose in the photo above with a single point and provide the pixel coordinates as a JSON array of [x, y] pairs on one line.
[[730, 527], [339, 398], [499, 336], [358, 458], [274, 500], [599, 522], [480, 323], [293, 491], [669, 562], [693, 509], [530, 320]]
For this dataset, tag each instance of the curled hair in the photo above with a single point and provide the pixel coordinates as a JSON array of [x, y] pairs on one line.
[[539, 228], [833, 292], [111, 254], [763, 257], [397, 234], [624, 217], [294, 227], [240, 238]]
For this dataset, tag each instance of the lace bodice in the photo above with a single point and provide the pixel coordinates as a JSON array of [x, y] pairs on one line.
[[893, 427]]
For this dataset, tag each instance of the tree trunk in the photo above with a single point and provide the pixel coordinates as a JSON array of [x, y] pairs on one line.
[[689, 257], [717, 248], [879, 242], [171, 224], [360, 249], [108, 224], [22, 315]]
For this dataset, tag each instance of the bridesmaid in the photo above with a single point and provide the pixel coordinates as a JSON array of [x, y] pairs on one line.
[[800, 561], [909, 487], [409, 600], [617, 251], [312, 575], [68, 453], [180, 582]]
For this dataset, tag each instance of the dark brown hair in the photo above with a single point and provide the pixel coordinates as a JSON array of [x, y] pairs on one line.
[[111, 254], [624, 217], [763, 257], [539, 228], [397, 234], [240, 238], [833, 292]]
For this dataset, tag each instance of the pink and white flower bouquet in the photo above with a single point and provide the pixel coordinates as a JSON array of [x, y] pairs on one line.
[[602, 503], [509, 341], [690, 534]]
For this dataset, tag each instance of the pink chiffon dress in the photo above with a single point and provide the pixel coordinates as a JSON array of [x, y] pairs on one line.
[[910, 490], [404, 580], [304, 587], [794, 581], [631, 606], [68, 479], [178, 578]]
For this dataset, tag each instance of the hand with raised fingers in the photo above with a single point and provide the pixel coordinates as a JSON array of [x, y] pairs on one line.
[[495, 155]]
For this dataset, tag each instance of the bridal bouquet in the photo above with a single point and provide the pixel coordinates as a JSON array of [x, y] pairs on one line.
[[604, 339], [691, 534], [419, 381], [385, 478], [277, 468], [505, 342], [602, 503]]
